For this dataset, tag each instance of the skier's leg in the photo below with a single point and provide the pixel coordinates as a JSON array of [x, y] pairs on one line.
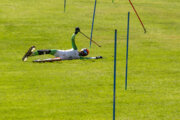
[[31, 52], [42, 52]]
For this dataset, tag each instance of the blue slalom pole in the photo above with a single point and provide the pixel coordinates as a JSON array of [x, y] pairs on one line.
[[64, 5], [93, 21], [127, 51], [114, 95]]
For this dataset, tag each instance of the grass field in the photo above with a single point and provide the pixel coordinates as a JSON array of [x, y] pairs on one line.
[[83, 89]]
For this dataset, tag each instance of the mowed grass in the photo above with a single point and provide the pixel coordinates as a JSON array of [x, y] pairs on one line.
[[83, 89]]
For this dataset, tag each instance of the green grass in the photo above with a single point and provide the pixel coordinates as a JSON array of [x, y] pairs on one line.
[[83, 89]]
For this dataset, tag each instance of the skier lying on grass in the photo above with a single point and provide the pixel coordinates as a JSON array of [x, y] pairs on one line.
[[61, 54]]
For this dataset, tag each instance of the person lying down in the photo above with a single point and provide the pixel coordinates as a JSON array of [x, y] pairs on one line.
[[61, 54]]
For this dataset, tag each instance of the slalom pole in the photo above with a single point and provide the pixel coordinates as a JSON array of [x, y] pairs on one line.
[[114, 95], [64, 5], [127, 51], [138, 16], [93, 21]]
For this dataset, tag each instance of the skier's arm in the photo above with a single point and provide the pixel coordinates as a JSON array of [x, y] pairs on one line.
[[73, 41], [77, 29], [98, 57]]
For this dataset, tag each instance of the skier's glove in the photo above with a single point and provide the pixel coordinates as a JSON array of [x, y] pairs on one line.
[[99, 57], [77, 29]]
